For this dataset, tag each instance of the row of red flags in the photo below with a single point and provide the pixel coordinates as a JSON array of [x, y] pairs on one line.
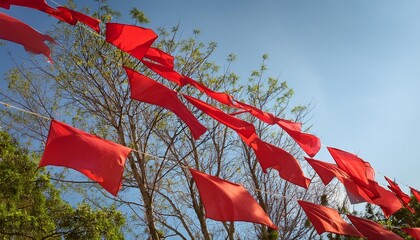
[[103, 161]]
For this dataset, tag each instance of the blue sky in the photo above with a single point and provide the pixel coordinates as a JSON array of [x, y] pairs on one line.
[[357, 62]]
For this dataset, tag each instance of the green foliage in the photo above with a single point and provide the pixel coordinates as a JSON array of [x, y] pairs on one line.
[[139, 16], [31, 207]]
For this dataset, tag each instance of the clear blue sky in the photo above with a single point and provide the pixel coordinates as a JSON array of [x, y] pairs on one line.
[[357, 61]]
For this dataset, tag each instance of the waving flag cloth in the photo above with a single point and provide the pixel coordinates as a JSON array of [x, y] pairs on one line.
[[269, 156], [414, 232], [147, 90], [222, 98], [40, 5], [227, 201], [18, 32], [165, 72], [73, 17], [309, 143], [358, 170], [133, 40], [373, 230], [325, 219], [415, 193], [100, 160], [387, 201], [161, 57], [405, 199]]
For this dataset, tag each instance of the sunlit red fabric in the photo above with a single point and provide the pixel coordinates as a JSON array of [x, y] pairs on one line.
[[100, 160], [35, 4], [77, 16], [387, 201], [147, 90], [373, 230], [270, 156], [244, 129], [165, 72], [416, 194], [358, 170], [18, 32], [405, 199], [133, 40], [326, 171], [222, 98], [227, 201], [310, 144], [414, 232], [161, 57], [325, 219]]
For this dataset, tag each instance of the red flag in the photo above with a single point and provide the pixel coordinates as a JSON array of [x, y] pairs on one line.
[[222, 98], [326, 171], [100, 160], [147, 90], [167, 73], [77, 16], [325, 219], [358, 170], [35, 4], [16, 31], [309, 143], [405, 199], [227, 201], [269, 156], [415, 193], [244, 129], [414, 232], [373, 230], [160, 57], [131, 39]]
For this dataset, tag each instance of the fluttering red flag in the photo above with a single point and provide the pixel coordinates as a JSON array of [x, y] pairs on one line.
[[222, 98], [373, 230], [414, 232], [327, 171], [268, 155], [227, 201], [416, 193], [405, 199], [75, 17], [147, 90], [387, 201], [310, 144], [325, 219], [133, 40], [165, 72], [161, 57], [18, 32], [40, 5], [244, 129], [100, 160], [359, 171]]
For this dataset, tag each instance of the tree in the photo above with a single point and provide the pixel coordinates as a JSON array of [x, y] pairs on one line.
[[87, 86], [31, 207]]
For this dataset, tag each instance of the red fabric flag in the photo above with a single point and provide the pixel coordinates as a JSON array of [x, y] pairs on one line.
[[165, 72], [309, 143], [77, 16], [325, 219], [327, 171], [131, 39], [415, 193], [414, 232], [269, 156], [100, 160], [227, 201], [405, 199], [160, 57], [244, 129], [222, 98], [387, 201], [358, 170], [16, 31], [35, 4], [373, 230], [148, 90]]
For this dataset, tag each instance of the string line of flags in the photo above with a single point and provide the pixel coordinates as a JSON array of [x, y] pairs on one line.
[[103, 161]]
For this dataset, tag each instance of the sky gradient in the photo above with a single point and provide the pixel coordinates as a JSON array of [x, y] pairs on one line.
[[357, 62]]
